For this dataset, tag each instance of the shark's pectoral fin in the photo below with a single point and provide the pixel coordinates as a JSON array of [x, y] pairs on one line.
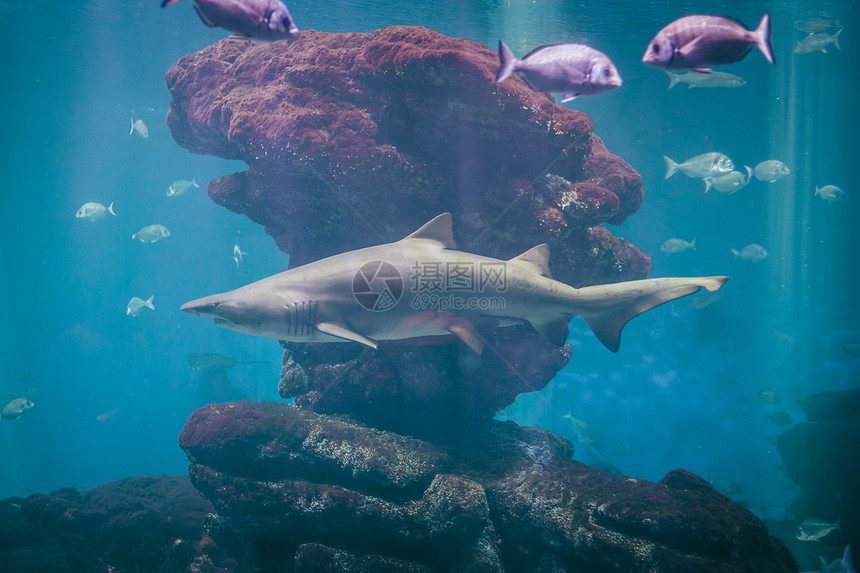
[[538, 257], [555, 331], [465, 331], [341, 331]]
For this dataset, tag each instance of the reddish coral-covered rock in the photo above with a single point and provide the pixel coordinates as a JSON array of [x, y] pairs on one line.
[[503, 498], [357, 139]]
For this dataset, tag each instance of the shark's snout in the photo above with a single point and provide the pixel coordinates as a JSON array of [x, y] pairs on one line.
[[201, 307]]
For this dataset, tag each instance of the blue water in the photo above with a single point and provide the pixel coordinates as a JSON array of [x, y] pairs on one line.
[[112, 392]]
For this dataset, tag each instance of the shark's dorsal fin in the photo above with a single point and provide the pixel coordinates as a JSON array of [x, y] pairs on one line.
[[341, 331], [439, 229], [538, 257]]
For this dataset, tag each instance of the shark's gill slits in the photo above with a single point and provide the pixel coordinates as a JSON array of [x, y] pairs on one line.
[[301, 318]]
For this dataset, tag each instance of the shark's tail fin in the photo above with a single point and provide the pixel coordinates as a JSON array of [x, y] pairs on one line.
[[607, 308]]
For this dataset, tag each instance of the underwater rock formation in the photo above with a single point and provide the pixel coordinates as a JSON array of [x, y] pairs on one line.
[[147, 523], [357, 139], [433, 388], [298, 491], [821, 457], [392, 461]]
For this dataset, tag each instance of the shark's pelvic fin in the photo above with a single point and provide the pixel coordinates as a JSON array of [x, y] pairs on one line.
[[538, 257], [555, 331], [627, 300], [439, 229], [465, 331], [341, 331]]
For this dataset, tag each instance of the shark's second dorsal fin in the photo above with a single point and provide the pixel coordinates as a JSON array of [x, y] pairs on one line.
[[538, 257], [439, 229]]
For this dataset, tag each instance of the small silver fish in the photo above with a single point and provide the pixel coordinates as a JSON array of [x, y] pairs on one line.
[[752, 253], [181, 187], [701, 166], [712, 80], [138, 129], [263, 20], [678, 246], [817, 43], [15, 408], [94, 211], [151, 234], [213, 361], [238, 255], [730, 182], [771, 170], [570, 69], [698, 42], [815, 529], [830, 193], [769, 397], [136, 305]]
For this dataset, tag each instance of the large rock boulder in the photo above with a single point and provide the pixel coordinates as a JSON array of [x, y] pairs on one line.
[[299, 491], [356, 139]]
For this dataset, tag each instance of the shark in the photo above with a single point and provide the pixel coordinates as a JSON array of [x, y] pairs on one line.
[[423, 286]]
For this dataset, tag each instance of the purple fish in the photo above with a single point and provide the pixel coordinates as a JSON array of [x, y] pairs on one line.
[[264, 20], [572, 69], [699, 42]]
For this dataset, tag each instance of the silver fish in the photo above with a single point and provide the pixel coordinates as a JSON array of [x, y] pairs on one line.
[[212, 361], [570, 69], [699, 42], [815, 529], [382, 293], [771, 170], [181, 187], [730, 182], [15, 408], [817, 43], [94, 211], [701, 166], [238, 255], [263, 20], [752, 253], [678, 246], [136, 305], [151, 234], [770, 397], [712, 80], [830, 193], [138, 129]]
